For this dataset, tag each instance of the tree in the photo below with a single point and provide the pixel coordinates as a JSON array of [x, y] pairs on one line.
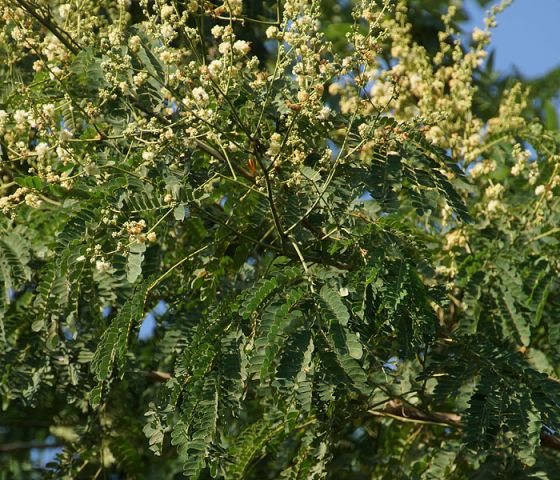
[[350, 253]]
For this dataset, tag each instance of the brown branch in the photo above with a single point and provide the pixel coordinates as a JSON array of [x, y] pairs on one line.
[[69, 42], [407, 413], [17, 446], [157, 376], [4, 149]]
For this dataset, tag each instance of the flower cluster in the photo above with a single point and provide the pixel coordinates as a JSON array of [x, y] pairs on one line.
[[186, 94]]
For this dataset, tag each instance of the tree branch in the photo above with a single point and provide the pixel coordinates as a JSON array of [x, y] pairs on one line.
[[407, 413], [17, 446], [69, 42], [157, 376]]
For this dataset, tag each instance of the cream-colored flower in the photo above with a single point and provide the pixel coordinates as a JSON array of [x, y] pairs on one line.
[[235, 7], [275, 145], [33, 200], [493, 206], [167, 11], [324, 113], [48, 110], [42, 149], [3, 119], [134, 43], [148, 155], [241, 46], [168, 32], [494, 191], [200, 95], [64, 10], [215, 67], [224, 48], [456, 238], [217, 31], [20, 117], [102, 266], [271, 32], [480, 36]]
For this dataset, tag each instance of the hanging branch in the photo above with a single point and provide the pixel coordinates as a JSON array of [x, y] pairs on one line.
[[407, 413]]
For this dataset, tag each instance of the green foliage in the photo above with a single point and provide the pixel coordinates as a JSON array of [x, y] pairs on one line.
[[337, 291]]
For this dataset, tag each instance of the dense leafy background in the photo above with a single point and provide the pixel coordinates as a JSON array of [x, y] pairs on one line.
[[310, 328]]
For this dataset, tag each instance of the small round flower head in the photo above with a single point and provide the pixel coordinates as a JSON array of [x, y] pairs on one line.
[[168, 32], [480, 36], [200, 95], [20, 117], [217, 31], [64, 10], [540, 190], [224, 48], [167, 11], [241, 46], [41, 150], [48, 110], [148, 155], [493, 206], [275, 145], [324, 113], [33, 200], [494, 191], [215, 67], [234, 7], [102, 266], [134, 43], [271, 32]]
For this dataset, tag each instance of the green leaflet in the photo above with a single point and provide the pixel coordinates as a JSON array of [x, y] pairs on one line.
[[482, 423], [232, 372], [154, 431], [509, 311], [32, 182], [442, 463], [338, 315], [76, 227], [134, 261], [344, 343], [193, 437], [343, 350], [316, 257], [275, 324], [250, 444], [53, 296], [13, 264], [294, 374], [304, 378], [113, 343], [311, 460], [527, 425], [336, 311], [2, 330], [257, 296]]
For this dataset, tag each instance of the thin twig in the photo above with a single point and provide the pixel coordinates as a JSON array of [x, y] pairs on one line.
[[179, 263]]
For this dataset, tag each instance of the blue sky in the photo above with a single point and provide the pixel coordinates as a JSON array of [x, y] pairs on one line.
[[527, 35]]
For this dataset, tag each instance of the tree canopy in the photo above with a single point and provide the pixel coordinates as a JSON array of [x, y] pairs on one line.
[[295, 239]]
